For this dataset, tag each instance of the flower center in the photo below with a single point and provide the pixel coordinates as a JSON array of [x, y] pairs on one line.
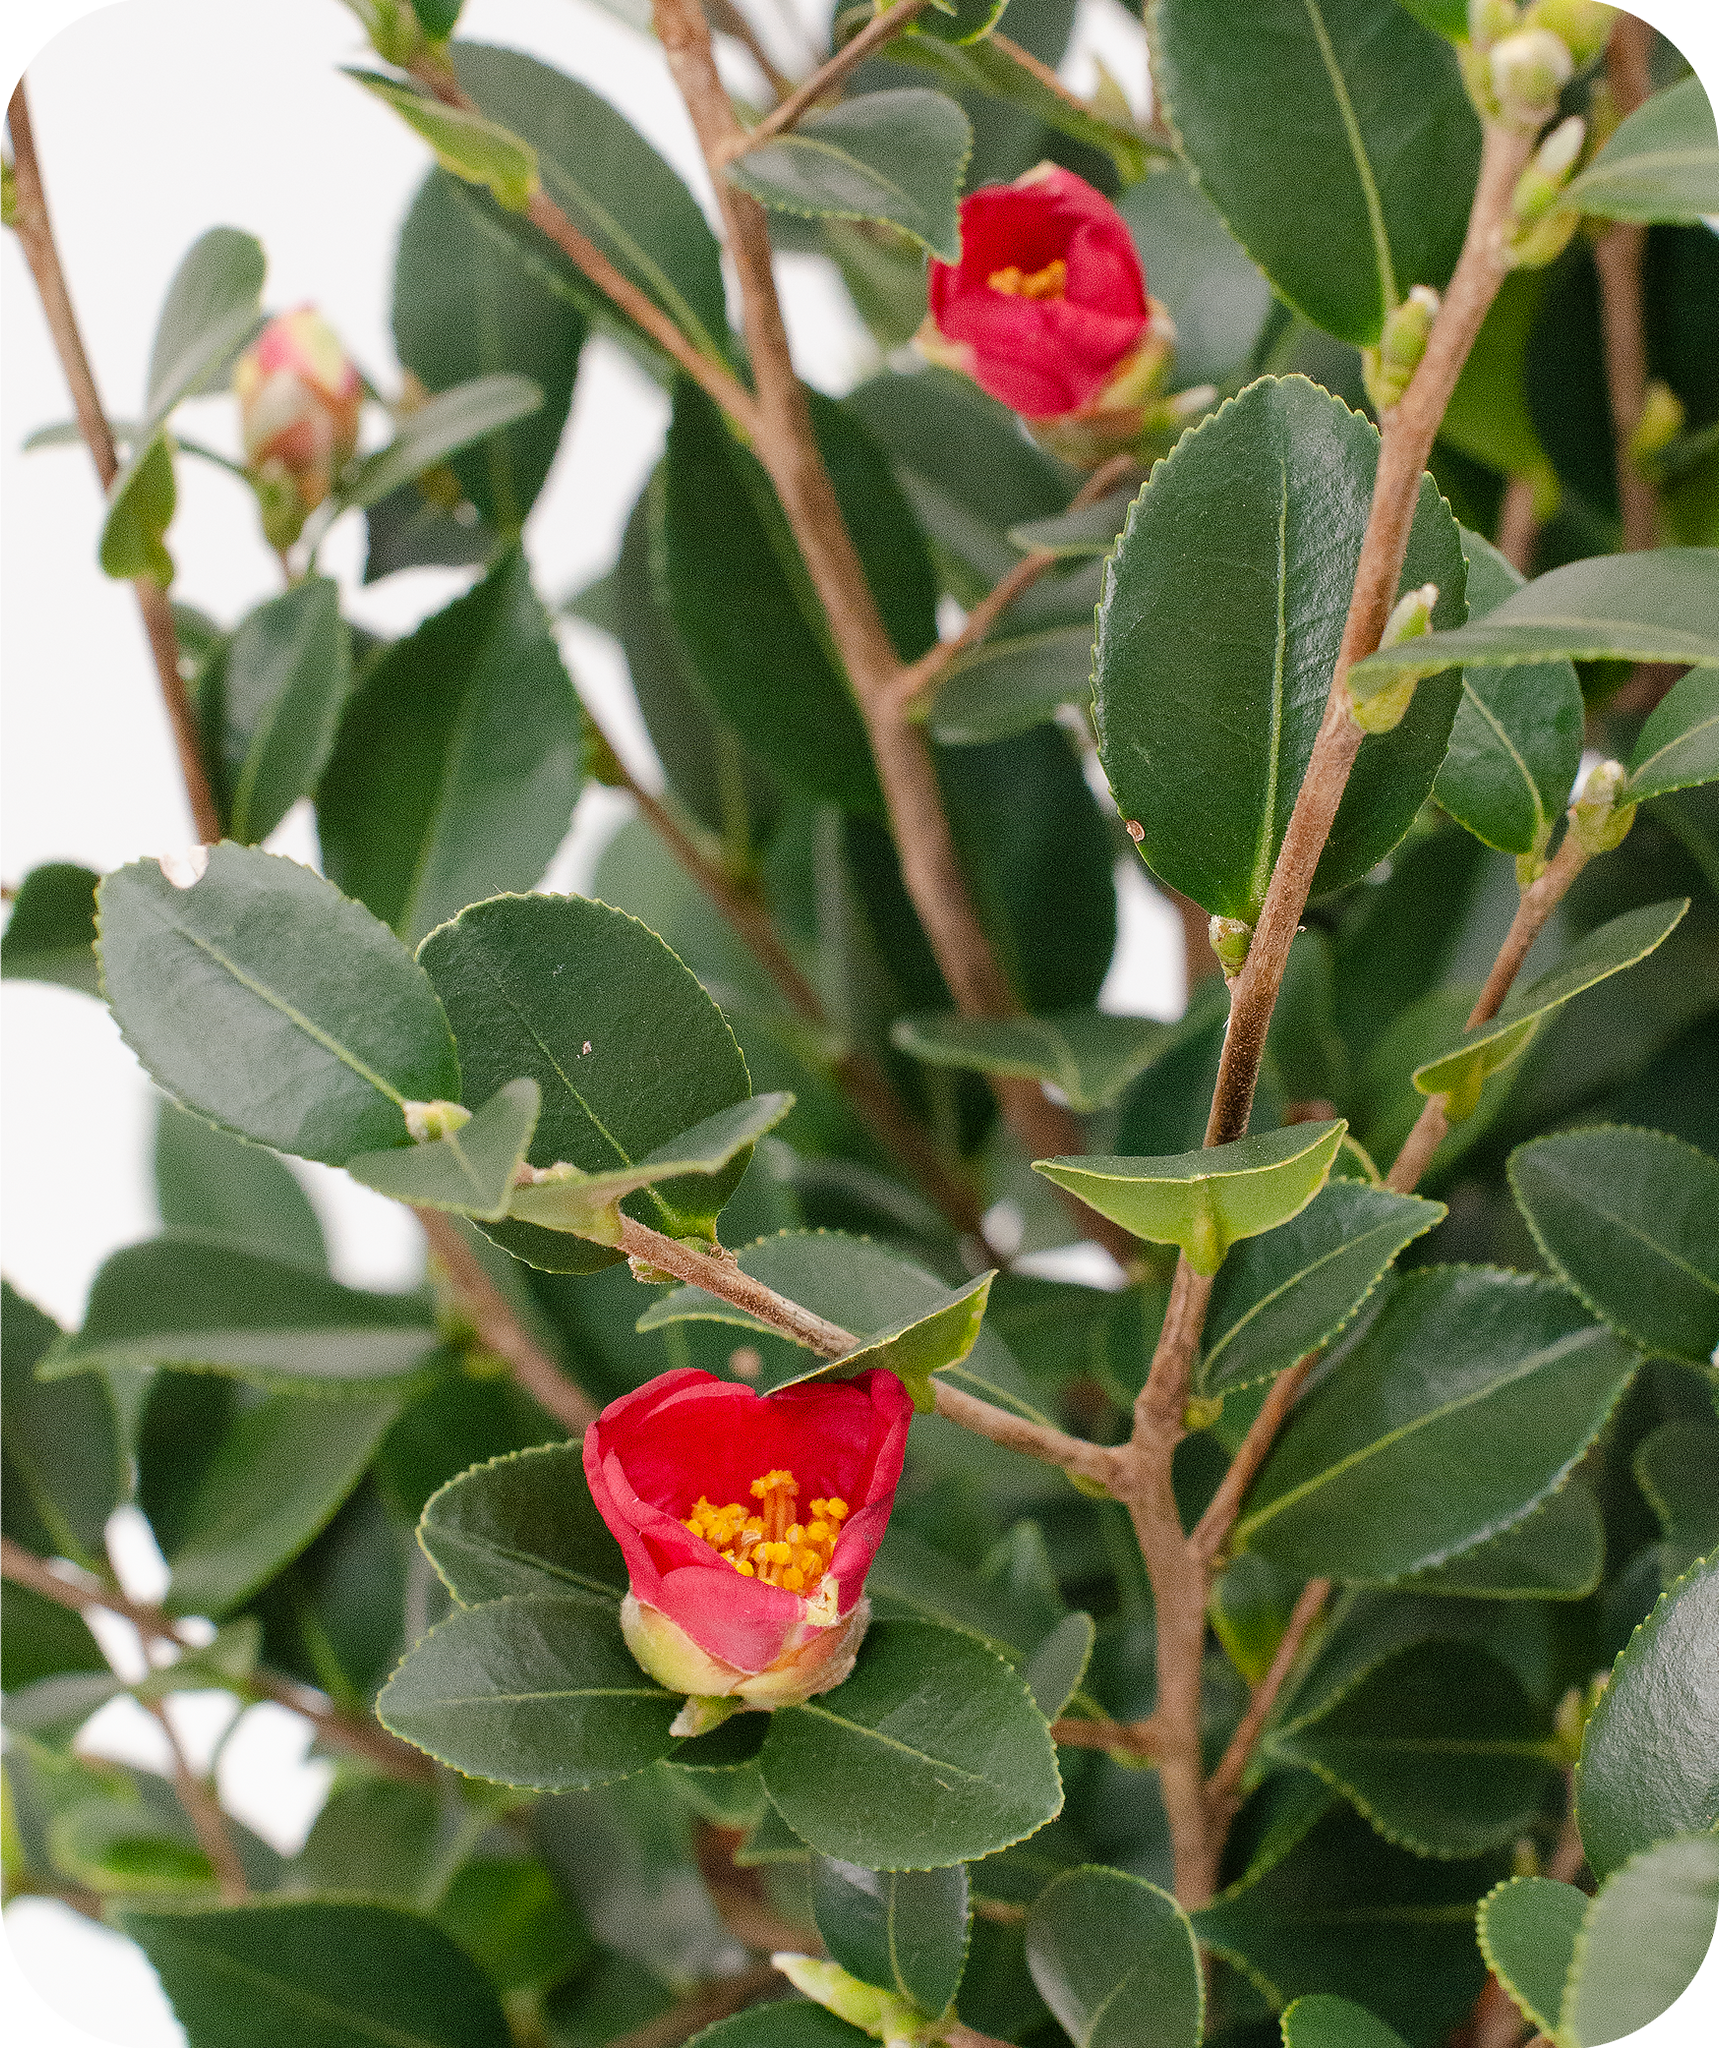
[[1014, 283], [768, 1542]]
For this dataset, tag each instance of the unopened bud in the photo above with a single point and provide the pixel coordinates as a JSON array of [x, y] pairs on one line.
[[299, 394], [1489, 21], [1538, 188], [1200, 1411], [1230, 938], [1389, 369], [428, 1121], [396, 34], [1660, 424], [1382, 710], [1597, 819], [1528, 71], [1582, 26], [885, 2015], [1545, 241]]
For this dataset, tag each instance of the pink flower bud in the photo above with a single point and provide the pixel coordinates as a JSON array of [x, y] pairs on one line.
[[299, 395]]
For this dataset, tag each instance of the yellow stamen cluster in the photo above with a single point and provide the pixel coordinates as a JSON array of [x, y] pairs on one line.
[[767, 1543], [1015, 283]]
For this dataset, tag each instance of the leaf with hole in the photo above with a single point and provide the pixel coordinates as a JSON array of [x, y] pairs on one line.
[[1527, 1930], [1661, 162], [523, 1524], [1679, 745], [470, 1170], [1090, 1055], [50, 935], [1645, 1935], [902, 1930], [1116, 1960]]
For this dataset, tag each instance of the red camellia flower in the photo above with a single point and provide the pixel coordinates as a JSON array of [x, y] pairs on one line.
[[748, 1522], [1048, 301]]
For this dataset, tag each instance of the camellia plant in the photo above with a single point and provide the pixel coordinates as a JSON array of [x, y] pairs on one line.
[[910, 1505]]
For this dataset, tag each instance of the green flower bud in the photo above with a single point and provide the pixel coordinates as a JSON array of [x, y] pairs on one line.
[[1546, 241], [1538, 188], [1382, 709], [428, 1121], [1230, 938], [1489, 21], [1660, 424], [1582, 26], [1528, 71], [1597, 819], [396, 34], [1389, 369], [885, 2015]]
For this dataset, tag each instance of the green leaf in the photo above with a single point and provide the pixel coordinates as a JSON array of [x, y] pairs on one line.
[[538, 1693], [1631, 1220], [1458, 1410], [337, 1975], [1527, 1930], [1054, 1670], [1351, 108], [1460, 1075], [1210, 688], [1662, 606], [793, 2023], [1115, 1959], [626, 1046], [63, 1473], [1556, 1553], [50, 935], [267, 1001], [507, 1913], [903, 1930], [441, 427], [1644, 1937], [1282, 1294], [919, 1345], [1216, 296], [1440, 1748], [522, 1524], [213, 1184], [43, 1643], [1205, 1201], [471, 1170], [124, 1846], [1679, 744], [437, 17], [1090, 1055], [1080, 532], [1661, 162], [894, 156], [932, 1753], [206, 1304], [211, 308], [458, 761], [140, 507], [1323, 2021], [466, 145], [1517, 741], [1676, 1468], [1650, 1754], [270, 701]]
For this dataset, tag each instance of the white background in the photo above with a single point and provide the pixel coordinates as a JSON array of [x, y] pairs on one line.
[[155, 120]]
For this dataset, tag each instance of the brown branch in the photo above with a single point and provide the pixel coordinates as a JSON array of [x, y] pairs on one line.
[[35, 232], [1518, 524], [1134, 1740], [718, 1273], [1619, 252], [1223, 1791], [882, 28], [203, 1810], [703, 2008], [727, 20], [1093, 1462], [1212, 1531]]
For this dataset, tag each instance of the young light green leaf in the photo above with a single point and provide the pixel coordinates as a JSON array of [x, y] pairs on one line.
[[1661, 162], [894, 156], [1293, 1288], [211, 308], [1460, 1075], [1460, 1408], [1090, 1055], [902, 1930], [63, 1471], [466, 145], [50, 935], [1679, 744], [1631, 1220], [1556, 1553], [457, 765], [1116, 1960], [1324, 2021], [1650, 1753], [538, 1693], [1452, 1702], [932, 1753], [441, 427], [1642, 1941], [1205, 1201], [470, 1170], [266, 1000], [1237, 667], [1350, 105], [1527, 1930], [1677, 1468], [140, 508], [523, 1524]]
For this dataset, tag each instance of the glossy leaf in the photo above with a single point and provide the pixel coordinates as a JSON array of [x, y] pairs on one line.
[[140, 507], [1650, 1754], [1205, 1201], [1458, 1411], [1291, 1289], [1517, 741], [1323, 2021], [1352, 106], [524, 1524], [626, 1046], [266, 1000], [63, 1472], [1057, 1665], [894, 156], [1556, 1553], [1660, 163], [1648, 1931], [789, 2024], [321, 1975], [919, 1345], [441, 427], [1460, 1074], [212, 305], [1115, 1959], [1677, 1468], [213, 1184], [1527, 1930], [1088, 1054], [903, 1930], [1217, 297], [466, 145], [50, 935], [471, 1170], [1440, 1748], [1679, 744], [1210, 690], [932, 1753], [1631, 1220], [539, 1693], [457, 766]]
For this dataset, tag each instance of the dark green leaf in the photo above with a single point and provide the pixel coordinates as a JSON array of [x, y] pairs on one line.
[[375, 1837], [441, 427], [212, 1184], [932, 1753], [1116, 1960], [42, 1643], [1089, 1055], [521, 1525], [211, 307], [1458, 1410], [1323, 2021], [1054, 1670], [140, 507], [63, 1473], [470, 1170], [903, 1930], [1527, 1930], [1678, 1469], [791, 2024], [1351, 107], [1661, 163], [345, 1975], [916, 1346], [1631, 1220], [409, 529], [541, 1693], [1556, 1553], [508, 1915], [1645, 1936], [1210, 689], [1217, 298], [1679, 744], [50, 935], [266, 1000]]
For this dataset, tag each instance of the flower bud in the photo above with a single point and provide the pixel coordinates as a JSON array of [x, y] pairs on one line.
[[1527, 71], [1230, 939], [396, 34], [885, 2015], [1597, 819], [1382, 709], [299, 394], [428, 1121], [1582, 26], [1489, 21], [1538, 188], [1661, 422], [1389, 369]]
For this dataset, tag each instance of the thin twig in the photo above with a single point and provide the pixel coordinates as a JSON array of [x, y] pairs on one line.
[[718, 1273], [703, 2008], [1095, 1463], [1619, 252], [1212, 1531], [727, 19], [35, 231], [879, 30], [1135, 1740], [203, 1811], [1223, 1791]]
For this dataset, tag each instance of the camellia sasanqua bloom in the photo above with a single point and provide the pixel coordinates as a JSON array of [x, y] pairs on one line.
[[299, 395], [748, 1523], [1047, 311]]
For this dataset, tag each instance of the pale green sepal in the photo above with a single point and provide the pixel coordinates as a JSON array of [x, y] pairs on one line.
[[916, 1348], [885, 2015], [703, 1712], [478, 151], [1204, 1201], [470, 1167]]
